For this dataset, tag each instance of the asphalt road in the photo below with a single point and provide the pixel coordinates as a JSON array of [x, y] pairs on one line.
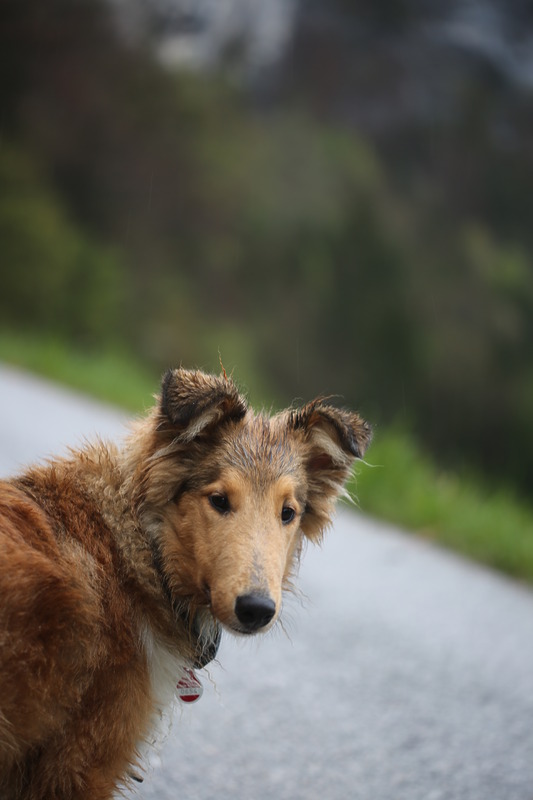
[[406, 674]]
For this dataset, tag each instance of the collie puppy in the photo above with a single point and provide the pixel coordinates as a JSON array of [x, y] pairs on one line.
[[119, 567]]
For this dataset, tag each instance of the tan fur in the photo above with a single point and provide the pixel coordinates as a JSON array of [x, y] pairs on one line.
[[119, 566]]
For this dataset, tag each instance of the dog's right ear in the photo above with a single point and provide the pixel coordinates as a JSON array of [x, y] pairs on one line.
[[192, 401], [333, 439]]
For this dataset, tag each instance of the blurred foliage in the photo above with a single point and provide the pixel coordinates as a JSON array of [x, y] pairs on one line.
[[174, 217], [105, 373], [48, 261]]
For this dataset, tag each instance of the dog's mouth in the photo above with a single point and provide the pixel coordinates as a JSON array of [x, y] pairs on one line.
[[241, 631], [252, 616]]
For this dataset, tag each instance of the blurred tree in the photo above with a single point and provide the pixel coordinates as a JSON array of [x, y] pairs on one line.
[[373, 243], [53, 277]]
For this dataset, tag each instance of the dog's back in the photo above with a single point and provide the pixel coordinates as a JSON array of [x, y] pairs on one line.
[[73, 684]]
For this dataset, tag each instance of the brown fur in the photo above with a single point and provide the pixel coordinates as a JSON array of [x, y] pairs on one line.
[[117, 570]]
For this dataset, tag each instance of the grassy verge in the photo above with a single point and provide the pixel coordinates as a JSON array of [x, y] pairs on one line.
[[105, 374], [403, 485]]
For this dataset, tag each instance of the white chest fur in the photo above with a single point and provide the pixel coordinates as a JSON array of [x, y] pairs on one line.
[[165, 668]]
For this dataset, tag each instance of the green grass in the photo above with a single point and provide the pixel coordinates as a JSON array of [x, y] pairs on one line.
[[397, 483], [106, 374], [404, 486]]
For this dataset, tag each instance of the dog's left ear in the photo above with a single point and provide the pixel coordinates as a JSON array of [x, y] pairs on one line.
[[192, 401], [334, 439]]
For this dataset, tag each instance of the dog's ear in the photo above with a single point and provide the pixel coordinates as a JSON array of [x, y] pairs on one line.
[[333, 439], [192, 401]]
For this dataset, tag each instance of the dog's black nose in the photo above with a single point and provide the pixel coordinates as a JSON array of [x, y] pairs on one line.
[[254, 611]]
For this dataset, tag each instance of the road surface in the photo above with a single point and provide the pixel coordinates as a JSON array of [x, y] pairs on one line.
[[402, 672]]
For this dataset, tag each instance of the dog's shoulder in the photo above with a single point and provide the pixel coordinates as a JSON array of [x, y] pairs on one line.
[[58, 503], [23, 519]]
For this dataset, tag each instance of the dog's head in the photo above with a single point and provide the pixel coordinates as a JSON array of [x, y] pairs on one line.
[[227, 495]]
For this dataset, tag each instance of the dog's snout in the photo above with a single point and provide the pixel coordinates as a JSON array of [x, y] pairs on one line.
[[254, 611]]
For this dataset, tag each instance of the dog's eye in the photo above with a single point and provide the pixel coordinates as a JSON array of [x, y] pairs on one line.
[[287, 514], [220, 503]]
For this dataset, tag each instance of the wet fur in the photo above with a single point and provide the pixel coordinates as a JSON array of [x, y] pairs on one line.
[[117, 571]]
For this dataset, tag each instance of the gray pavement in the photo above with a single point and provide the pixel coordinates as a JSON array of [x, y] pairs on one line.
[[402, 672]]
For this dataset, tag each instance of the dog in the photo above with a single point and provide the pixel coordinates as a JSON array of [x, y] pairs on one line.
[[119, 568]]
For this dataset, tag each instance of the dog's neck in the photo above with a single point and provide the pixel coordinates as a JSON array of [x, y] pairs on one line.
[[203, 631], [185, 627]]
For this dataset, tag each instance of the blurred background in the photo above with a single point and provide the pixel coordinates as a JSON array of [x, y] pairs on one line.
[[329, 196]]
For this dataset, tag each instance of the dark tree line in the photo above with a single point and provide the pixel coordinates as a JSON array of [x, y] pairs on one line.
[[177, 215]]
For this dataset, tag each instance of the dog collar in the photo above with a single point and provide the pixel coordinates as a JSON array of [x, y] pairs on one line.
[[207, 638]]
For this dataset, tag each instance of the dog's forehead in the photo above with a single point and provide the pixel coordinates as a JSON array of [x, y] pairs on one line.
[[261, 446]]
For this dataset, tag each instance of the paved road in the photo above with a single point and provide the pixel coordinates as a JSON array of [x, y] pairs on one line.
[[407, 674]]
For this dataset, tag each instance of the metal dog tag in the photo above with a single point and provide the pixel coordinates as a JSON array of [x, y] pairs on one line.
[[189, 689]]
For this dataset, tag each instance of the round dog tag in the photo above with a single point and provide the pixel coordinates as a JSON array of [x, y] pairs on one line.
[[189, 688]]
